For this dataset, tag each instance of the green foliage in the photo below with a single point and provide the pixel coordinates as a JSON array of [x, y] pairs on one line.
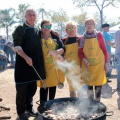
[[42, 14], [80, 19], [21, 12], [6, 17], [59, 19]]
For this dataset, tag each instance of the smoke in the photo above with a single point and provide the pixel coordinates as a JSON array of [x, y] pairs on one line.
[[75, 110], [73, 74], [81, 108]]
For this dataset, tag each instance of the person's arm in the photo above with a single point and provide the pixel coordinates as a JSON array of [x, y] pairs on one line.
[[18, 36], [80, 53], [103, 46], [25, 57], [17, 39], [111, 43], [104, 49], [82, 57], [61, 46], [109, 39], [60, 49], [79, 39]]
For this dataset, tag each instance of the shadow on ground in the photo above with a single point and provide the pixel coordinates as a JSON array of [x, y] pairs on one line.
[[118, 100]]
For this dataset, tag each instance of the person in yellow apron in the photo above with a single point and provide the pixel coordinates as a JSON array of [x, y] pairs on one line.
[[94, 56], [71, 55], [52, 47]]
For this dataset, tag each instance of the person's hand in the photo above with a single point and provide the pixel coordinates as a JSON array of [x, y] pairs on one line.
[[60, 58], [113, 46], [55, 33], [106, 67], [86, 62], [53, 52], [29, 61]]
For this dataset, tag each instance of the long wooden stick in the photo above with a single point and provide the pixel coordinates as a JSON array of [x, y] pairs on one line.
[[44, 85]]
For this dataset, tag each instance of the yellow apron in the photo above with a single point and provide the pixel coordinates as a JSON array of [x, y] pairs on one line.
[[51, 76], [93, 53], [70, 55]]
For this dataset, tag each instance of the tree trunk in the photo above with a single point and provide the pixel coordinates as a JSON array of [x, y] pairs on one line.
[[7, 31], [61, 28], [42, 15], [101, 18]]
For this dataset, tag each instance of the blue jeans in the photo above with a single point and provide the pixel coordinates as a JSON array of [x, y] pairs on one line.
[[117, 62], [11, 53], [2, 47], [3, 63]]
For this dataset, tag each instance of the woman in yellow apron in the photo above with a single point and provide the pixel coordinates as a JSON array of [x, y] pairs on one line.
[[71, 55], [52, 47], [94, 56]]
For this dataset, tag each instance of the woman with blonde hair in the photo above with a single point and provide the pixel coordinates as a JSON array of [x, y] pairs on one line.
[[94, 56], [71, 54]]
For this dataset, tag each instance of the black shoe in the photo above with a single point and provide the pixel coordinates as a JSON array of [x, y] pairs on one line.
[[32, 113], [109, 80], [118, 89], [23, 116]]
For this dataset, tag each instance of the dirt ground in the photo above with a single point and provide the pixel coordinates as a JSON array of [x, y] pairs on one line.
[[8, 93]]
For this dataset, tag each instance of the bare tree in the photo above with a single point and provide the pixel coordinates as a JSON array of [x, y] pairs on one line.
[[100, 4]]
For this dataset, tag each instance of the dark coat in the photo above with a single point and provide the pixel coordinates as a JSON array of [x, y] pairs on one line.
[[31, 45]]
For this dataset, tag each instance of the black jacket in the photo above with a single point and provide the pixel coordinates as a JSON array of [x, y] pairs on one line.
[[29, 39]]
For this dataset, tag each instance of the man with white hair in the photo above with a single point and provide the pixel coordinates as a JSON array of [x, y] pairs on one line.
[[27, 45]]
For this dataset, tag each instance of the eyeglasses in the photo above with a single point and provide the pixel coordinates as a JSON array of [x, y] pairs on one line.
[[90, 24], [46, 26], [72, 28]]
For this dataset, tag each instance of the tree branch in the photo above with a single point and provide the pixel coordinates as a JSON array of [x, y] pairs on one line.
[[103, 2], [96, 4], [106, 5]]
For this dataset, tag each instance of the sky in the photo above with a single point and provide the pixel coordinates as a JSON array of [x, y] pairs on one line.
[[56, 5], [47, 4]]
